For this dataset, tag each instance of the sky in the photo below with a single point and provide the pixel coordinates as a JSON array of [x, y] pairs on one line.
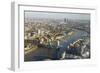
[[56, 15]]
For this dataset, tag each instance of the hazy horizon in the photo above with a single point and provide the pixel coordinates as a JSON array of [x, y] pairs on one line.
[[56, 15]]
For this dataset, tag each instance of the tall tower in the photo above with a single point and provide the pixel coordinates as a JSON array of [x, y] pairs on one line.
[[65, 20]]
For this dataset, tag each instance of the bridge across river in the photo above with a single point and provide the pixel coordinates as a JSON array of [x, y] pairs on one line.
[[43, 53]]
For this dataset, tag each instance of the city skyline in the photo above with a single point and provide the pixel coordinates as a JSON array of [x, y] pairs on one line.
[[56, 15]]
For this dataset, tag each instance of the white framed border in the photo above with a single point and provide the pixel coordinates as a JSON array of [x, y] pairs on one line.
[[17, 51]]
